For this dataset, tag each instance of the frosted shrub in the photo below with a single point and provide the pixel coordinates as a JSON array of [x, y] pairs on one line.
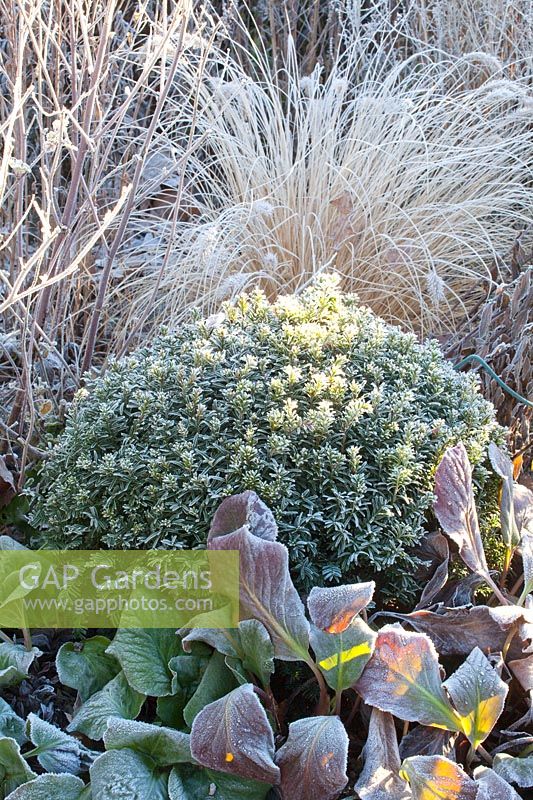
[[336, 419]]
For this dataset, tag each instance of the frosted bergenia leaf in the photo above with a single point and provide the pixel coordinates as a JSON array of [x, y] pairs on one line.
[[188, 782], [58, 752], [455, 507], [522, 669], [514, 770], [403, 678], [478, 695], [15, 662], [425, 741], [51, 787], [258, 650], [507, 616], [13, 768], [380, 779], [267, 592], [11, 725], [215, 682], [492, 787], [434, 546], [124, 773], [523, 507], [332, 609], [438, 778], [86, 666], [457, 631], [225, 640], [116, 699], [313, 760], [503, 465], [233, 735], [165, 746], [244, 509], [342, 657], [143, 655]]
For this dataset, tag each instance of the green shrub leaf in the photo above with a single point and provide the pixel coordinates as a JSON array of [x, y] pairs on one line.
[[216, 681], [11, 725]]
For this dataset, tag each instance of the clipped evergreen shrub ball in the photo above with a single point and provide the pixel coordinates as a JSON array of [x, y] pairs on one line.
[[336, 419]]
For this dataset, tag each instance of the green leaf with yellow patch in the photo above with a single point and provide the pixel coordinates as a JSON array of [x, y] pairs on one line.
[[342, 657], [478, 695], [437, 778]]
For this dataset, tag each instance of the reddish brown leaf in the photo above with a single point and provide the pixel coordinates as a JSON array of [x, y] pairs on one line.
[[313, 759], [380, 779], [267, 592], [455, 507], [403, 678], [244, 509], [233, 735], [333, 609], [522, 669]]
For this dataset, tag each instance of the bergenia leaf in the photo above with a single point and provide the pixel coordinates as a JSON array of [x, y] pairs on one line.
[[313, 760], [258, 650], [233, 735], [267, 592], [244, 509], [425, 741], [435, 777], [503, 466], [11, 725], [435, 546], [455, 507], [143, 655], [165, 746], [514, 770], [13, 768], [478, 695], [216, 681], [380, 778], [192, 783], [15, 662], [522, 669], [225, 640], [342, 657], [403, 678], [58, 752], [492, 787], [116, 699], [85, 666], [51, 787], [333, 609], [457, 631], [127, 774]]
